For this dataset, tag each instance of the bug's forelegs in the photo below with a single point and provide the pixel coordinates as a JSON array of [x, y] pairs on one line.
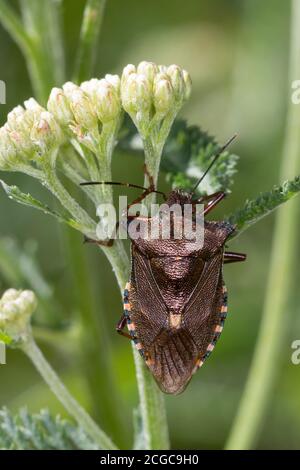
[[120, 327], [108, 243], [210, 201], [232, 257]]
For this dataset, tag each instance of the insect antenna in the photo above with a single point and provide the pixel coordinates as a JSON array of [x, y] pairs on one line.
[[219, 152], [118, 183]]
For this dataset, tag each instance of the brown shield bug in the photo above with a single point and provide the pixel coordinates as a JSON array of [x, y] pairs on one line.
[[175, 303]]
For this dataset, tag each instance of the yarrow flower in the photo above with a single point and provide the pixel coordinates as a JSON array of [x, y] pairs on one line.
[[150, 92], [28, 133], [84, 110], [77, 132], [16, 309]]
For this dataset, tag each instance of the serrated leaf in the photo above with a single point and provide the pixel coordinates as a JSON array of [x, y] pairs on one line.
[[255, 209], [14, 193], [40, 431], [188, 153]]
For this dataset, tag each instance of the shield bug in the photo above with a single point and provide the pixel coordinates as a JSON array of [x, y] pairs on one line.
[[175, 303]]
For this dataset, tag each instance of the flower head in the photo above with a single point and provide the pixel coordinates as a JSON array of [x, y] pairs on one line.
[[150, 92], [104, 96], [28, 134], [16, 309], [82, 110]]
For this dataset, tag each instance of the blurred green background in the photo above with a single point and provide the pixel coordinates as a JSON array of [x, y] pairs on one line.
[[237, 55]]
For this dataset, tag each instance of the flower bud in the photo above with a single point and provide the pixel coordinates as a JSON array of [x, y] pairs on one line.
[[104, 97], [148, 69], [16, 309], [59, 106], [15, 116], [163, 94], [80, 106], [128, 70], [8, 152], [22, 143], [46, 133], [108, 103], [20, 120], [90, 87], [114, 80], [33, 108], [176, 77], [188, 84], [136, 94]]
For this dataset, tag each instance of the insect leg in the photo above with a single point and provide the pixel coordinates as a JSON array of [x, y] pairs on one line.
[[231, 257], [120, 327], [107, 243], [212, 200], [149, 190]]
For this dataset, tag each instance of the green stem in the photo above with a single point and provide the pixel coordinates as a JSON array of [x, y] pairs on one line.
[[31, 349], [53, 15], [55, 186], [264, 368], [152, 405], [91, 25]]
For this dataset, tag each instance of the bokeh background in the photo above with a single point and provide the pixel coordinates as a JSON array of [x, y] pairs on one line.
[[237, 54]]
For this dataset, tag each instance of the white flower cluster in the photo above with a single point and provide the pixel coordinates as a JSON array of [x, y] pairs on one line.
[[148, 92], [81, 109], [151, 92], [28, 132], [16, 308]]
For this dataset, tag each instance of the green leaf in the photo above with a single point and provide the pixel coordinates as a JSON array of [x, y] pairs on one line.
[[256, 209], [17, 195], [40, 432], [188, 153]]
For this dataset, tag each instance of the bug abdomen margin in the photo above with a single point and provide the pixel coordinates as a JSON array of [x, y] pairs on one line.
[[130, 324], [218, 330]]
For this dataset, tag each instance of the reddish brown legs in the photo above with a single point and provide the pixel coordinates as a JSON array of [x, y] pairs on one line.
[[120, 327], [149, 190], [210, 201], [231, 257], [107, 243], [144, 194]]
